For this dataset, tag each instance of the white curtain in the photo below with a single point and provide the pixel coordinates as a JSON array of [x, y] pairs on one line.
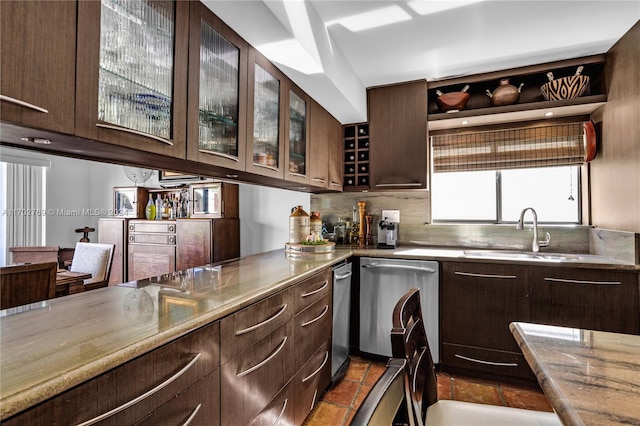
[[25, 205]]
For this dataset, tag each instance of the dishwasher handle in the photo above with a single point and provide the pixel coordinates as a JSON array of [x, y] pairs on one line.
[[396, 266], [342, 277]]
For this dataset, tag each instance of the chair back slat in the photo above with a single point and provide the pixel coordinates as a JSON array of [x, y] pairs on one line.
[[409, 341]]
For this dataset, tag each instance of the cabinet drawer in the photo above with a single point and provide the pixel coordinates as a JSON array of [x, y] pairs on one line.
[[177, 366], [244, 328], [197, 406], [164, 239], [252, 378], [313, 327], [152, 226], [311, 381], [486, 360], [312, 289], [281, 410]]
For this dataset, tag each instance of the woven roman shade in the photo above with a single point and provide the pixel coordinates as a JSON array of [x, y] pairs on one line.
[[544, 146]]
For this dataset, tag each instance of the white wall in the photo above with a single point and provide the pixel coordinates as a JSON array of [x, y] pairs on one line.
[[87, 186]]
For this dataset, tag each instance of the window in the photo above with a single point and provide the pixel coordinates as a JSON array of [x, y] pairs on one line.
[[499, 196]]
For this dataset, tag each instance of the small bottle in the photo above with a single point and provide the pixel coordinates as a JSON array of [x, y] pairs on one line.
[[158, 208], [150, 210]]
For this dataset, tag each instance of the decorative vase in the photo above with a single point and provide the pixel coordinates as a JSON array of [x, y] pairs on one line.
[[505, 94]]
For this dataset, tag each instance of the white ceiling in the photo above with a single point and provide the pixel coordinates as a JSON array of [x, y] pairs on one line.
[[311, 44]]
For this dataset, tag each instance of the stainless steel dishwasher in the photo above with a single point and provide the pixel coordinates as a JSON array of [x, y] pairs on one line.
[[341, 313], [382, 283]]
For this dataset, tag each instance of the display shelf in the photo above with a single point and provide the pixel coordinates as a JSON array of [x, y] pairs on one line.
[[531, 104]]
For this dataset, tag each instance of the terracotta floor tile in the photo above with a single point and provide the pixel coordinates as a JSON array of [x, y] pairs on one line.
[[362, 394], [326, 414], [444, 386], [356, 370], [525, 398], [476, 392], [374, 373], [350, 414], [343, 393]]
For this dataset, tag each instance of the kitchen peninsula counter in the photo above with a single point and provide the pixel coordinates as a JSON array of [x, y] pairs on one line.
[[66, 341], [69, 340]]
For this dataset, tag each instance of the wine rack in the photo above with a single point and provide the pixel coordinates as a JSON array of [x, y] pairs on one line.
[[356, 156]]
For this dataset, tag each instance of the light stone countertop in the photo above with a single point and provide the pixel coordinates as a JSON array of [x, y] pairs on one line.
[[590, 377], [66, 341]]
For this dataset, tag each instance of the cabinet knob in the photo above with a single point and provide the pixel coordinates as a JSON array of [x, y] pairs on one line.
[[172, 228]]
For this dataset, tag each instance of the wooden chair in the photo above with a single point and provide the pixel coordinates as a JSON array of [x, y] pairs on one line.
[[385, 403], [24, 284], [409, 342], [34, 254], [95, 259]]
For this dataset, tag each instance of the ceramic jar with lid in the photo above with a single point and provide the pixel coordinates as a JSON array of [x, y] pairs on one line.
[[505, 93], [299, 226], [315, 224]]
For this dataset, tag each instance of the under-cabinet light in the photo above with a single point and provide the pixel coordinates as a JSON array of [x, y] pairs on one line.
[[465, 122], [548, 113]]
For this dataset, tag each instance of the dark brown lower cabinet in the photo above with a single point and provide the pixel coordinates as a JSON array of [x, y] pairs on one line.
[[594, 299], [180, 365], [478, 301], [280, 411], [312, 379]]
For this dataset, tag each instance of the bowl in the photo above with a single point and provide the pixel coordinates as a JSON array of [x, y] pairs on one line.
[[565, 88], [453, 101]]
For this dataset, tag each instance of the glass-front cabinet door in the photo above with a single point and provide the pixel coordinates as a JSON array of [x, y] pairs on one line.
[[296, 134], [217, 91], [132, 68], [265, 126]]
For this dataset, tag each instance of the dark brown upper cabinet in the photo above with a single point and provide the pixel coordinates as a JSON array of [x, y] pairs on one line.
[[336, 171], [265, 117], [38, 43], [319, 145], [131, 75], [296, 134], [398, 134], [217, 111]]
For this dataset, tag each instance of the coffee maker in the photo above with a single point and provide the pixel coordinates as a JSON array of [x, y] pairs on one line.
[[388, 229]]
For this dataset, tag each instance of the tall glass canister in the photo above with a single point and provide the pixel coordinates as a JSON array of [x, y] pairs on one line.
[[137, 39], [297, 134], [266, 119], [218, 104]]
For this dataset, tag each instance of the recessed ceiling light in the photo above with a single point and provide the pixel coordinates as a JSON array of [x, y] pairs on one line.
[[373, 19], [548, 113]]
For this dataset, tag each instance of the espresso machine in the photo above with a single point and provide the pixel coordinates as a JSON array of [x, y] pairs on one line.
[[388, 229]]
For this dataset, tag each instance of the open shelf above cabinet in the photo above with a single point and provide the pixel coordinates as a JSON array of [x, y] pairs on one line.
[[531, 104]]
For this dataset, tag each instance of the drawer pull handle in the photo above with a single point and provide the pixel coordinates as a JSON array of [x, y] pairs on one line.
[[393, 266], [134, 132], [563, 280], [263, 362], [470, 274], [264, 166], [297, 174], [144, 395], [336, 184], [391, 185], [480, 361], [322, 181], [313, 401], [310, 376], [220, 154], [342, 277], [260, 324], [324, 311], [284, 407], [23, 104], [311, 293], [192, 416]]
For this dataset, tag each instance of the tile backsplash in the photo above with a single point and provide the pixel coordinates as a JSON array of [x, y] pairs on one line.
[[416, 227]]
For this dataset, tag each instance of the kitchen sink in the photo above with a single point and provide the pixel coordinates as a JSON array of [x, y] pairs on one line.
[[526, 255]]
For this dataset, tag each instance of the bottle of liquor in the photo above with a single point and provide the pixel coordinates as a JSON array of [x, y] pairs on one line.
[[150, 210]]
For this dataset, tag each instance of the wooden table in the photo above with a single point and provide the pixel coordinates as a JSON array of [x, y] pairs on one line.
[[68, 282], [590, 377]]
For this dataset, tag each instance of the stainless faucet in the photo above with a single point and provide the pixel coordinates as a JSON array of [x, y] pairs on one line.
[[535, 247]]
